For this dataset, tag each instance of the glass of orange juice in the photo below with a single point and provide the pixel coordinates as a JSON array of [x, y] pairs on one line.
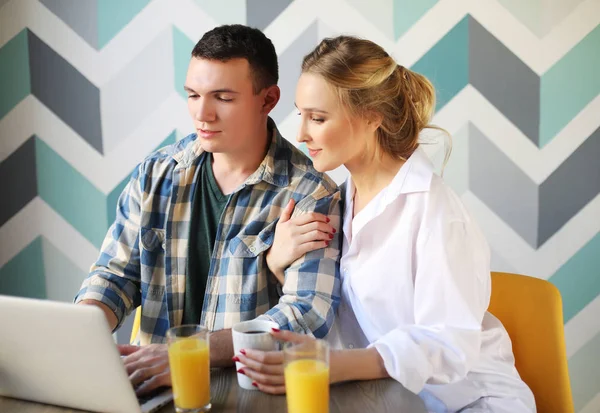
[[189, 361], [306, 370]]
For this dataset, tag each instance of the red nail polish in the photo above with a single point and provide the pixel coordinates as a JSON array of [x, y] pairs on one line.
[[327, 218], [330, 236], [275, 330], [241, 371], [327, 243], [235, 358], [254, 384], [243, 352], [334, 230]]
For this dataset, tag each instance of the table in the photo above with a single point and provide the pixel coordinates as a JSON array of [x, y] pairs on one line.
[[382, 396]]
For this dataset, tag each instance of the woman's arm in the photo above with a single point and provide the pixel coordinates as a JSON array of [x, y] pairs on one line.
[[359, 364], [296, 236]]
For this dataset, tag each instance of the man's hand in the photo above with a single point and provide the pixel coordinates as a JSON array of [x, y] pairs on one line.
[[147, 366]]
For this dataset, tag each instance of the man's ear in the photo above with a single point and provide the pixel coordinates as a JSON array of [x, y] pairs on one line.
[[271, 97]]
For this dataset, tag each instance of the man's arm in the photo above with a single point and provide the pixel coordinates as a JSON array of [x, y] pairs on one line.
[[311, 292], [221, 348], [114, 280], [110, 315]]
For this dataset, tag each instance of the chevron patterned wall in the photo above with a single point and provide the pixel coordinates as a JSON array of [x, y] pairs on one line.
[[89, 87]]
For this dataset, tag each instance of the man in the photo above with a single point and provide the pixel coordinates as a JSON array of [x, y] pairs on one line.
[[196, 219]]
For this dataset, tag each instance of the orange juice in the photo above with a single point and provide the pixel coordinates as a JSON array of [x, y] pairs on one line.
[[307, 386], [189, 361]]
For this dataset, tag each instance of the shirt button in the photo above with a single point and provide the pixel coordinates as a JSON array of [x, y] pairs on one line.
[[350, 346], [252, 249]]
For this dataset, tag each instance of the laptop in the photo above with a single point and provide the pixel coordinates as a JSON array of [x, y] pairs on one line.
[[64, 354]]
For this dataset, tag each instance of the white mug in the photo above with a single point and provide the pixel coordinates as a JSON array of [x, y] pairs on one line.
[[252, 334]]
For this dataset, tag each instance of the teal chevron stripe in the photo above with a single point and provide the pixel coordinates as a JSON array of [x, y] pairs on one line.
[[584, 371], [447, 63], [63, 277], [23, 275], [569, 85], [182, 51], [15, 78], [113, 15], [407, 13], [113, 196], [579, 278], [70, 194]]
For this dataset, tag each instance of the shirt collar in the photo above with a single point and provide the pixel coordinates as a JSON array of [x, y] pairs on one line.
[[274, 169], [414, 176]]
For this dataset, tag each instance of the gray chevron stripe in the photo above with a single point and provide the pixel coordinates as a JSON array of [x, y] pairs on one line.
[[65, 91], [507, 82], [19, 180], [260, 13], [503, 186], [535, 212], [570, 187], [81, 16]]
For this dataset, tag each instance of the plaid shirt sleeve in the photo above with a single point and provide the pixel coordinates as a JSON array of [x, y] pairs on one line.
[[311, 292], [114, 279]]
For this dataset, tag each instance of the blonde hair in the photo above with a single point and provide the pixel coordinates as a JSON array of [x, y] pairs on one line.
[[368, 80]]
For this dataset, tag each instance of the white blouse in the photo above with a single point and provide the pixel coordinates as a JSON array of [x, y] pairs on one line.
[[416, 285]]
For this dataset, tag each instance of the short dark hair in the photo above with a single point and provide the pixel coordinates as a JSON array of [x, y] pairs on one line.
[[233, 41]]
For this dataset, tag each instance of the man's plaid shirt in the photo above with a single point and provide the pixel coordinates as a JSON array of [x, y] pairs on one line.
[[143, 260]]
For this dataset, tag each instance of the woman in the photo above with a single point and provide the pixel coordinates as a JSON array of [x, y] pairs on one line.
[[415, 267]]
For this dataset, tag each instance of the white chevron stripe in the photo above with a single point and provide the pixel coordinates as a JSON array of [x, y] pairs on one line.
[[36, 219], [470, 105], [99, 67], [546, 260], [105, 172], [538, 54], [593, 406], [582, 327]]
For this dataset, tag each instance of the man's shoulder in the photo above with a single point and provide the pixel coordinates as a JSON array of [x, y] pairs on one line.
[[301, 170], [168, 155]]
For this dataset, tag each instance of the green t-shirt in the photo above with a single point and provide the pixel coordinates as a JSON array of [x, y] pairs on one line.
[[208, 205]]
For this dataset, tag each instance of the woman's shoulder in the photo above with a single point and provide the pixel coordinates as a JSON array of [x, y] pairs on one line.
[[443, 203]]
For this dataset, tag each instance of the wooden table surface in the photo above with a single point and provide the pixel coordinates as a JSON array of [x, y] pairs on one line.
[[226, 396]]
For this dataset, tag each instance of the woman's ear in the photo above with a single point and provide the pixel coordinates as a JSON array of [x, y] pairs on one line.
[[374, 120]]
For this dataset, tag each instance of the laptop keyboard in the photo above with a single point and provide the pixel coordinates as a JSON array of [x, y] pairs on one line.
[[146, 397]]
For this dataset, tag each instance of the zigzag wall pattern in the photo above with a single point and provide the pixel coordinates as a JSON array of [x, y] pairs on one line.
[[517, 84]]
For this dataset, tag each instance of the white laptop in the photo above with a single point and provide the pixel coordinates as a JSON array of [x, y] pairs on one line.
[[64, 354]]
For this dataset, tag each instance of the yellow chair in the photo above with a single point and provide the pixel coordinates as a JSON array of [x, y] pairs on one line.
[[531, 311], [136, 324]]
